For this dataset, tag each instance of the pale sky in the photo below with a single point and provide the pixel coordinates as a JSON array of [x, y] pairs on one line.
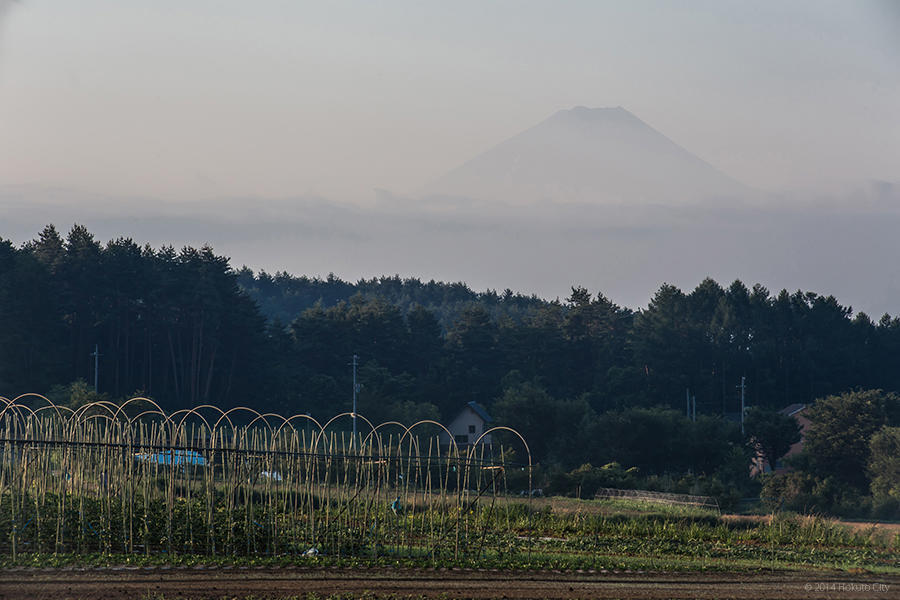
[[175, 99], [264, 128]]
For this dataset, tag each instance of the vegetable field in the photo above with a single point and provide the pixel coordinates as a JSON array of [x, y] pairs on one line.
[[132, 479], [110, 485]]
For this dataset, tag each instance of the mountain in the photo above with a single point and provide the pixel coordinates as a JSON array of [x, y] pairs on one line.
[[588, 155]]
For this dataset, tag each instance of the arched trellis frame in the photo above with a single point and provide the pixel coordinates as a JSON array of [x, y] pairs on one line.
[[132, 477]]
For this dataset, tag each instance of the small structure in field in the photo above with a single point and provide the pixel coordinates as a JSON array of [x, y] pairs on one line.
[[468, 425], [172, 457], [659, 497]]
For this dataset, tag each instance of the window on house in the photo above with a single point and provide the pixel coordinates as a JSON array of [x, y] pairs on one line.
[[471, 429], [461, 439]]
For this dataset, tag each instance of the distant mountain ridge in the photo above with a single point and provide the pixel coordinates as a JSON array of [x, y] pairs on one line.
[[588, 155]]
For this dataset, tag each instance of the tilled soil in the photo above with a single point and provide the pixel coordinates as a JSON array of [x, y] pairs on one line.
[[202, 584]]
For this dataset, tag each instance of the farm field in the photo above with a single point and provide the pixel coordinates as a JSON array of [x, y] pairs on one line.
[[344, 584], [581, 549], [103, 503]]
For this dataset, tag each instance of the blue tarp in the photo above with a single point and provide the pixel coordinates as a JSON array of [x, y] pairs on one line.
[[173, 457]]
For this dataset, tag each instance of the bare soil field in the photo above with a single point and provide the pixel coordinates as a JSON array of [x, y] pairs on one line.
[[238, 583]]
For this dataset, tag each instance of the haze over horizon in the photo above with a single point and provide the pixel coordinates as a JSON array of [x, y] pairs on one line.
[[311, 138]]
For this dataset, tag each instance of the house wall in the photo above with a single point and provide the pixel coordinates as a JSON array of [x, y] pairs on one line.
[[758, 466], [798, 447], [460, 427]]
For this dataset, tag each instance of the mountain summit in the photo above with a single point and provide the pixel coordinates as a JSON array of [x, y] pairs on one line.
[[588, 155]]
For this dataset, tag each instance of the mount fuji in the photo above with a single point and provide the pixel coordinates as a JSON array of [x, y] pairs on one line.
[[598, 156]]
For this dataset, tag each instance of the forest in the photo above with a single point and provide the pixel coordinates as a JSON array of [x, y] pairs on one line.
[[603, 393]]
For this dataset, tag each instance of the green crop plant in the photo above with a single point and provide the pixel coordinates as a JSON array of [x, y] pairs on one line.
[[131, 479], [132, 484]]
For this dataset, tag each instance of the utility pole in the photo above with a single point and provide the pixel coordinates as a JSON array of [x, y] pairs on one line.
[[743, 388], [695, 408], [355, 390], [96, 355], [687, 395]]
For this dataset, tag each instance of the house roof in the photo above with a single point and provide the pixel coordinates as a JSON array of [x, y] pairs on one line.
[[480, 411], [793, 409]]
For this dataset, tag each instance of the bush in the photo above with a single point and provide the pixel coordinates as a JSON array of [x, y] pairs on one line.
[[884, 464], [886, 509], [793, 490], [801, 492], [584, 481]]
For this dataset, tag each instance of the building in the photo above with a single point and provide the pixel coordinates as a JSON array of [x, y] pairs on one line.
[[796, 411], [468, 425]]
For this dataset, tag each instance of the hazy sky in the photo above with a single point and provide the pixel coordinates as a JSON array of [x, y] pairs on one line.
[[281, 119], [201, 99]]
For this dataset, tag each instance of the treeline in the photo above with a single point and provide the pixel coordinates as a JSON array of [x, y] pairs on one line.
[[791, 347], [171, 324], [585, 380], [283, 296]]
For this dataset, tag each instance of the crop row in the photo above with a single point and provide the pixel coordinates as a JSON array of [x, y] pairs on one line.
[[103, 480]]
